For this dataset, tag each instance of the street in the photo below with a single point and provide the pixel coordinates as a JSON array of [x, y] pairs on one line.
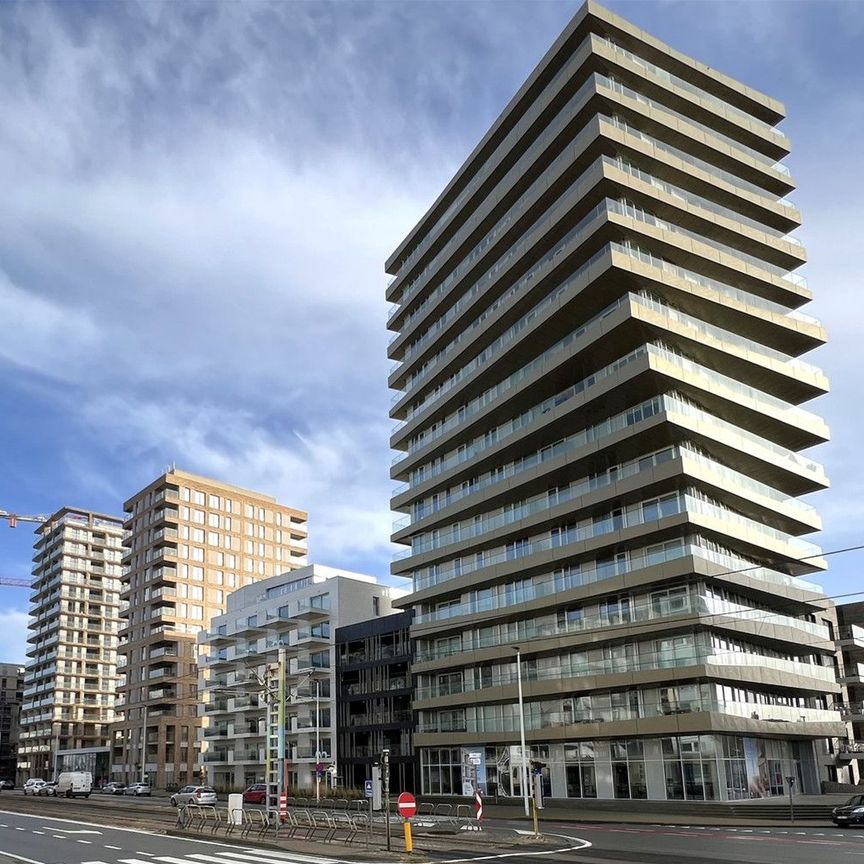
[[34, 838]]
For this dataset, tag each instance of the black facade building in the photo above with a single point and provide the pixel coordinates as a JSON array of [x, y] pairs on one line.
[[373, 674], [11, 684]]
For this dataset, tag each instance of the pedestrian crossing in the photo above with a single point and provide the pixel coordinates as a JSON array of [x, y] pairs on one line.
[[240, 856]]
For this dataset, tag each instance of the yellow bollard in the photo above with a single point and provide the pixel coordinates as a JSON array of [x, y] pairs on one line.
[[409, 842]]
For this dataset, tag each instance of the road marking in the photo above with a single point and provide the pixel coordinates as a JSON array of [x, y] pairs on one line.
[[88, 842], [18, 829], [118, 848], [20, 858], [265, 855], [59, 836]]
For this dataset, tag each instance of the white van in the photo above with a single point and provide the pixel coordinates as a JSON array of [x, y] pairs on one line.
[[74, 784]]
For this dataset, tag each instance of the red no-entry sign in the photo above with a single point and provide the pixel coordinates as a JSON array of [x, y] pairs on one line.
[[407, 805]]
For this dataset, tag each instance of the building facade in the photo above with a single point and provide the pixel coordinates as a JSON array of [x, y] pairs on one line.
[[269, 661], [373, 681], [850, 648], [599, 389], [70, 682], [11, 696], [190, 541]]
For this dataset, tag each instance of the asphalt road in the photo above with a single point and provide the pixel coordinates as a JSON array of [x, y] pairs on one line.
[[664, 844], [39, 838]]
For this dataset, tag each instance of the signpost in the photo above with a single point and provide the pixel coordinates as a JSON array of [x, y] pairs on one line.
[[407, 805]]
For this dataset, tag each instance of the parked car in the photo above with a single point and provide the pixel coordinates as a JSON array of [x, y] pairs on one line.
[[137, 789], [850, 813], [74, 784], [113, 788], [31, 787], [256, 794], [49, 789], [6, 784], [194, 795]]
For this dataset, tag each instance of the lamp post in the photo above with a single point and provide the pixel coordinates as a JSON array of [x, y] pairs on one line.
[[318, 741], [522, 730]]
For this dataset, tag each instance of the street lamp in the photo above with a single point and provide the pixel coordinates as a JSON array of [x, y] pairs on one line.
[[522, 730]]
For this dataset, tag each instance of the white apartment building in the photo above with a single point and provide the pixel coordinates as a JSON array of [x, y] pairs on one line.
[[290, 618], [70, 682]]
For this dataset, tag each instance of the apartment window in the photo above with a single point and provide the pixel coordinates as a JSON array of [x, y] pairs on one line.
[[231, 562], [226, 523], [230, 580], [183, 550], [250, 529], [184, 493], [184, 532], [183, 590], [249, 511], [217, 577], [196, 613], [196, 592], [197, 554], [376, 606], [248, 565], [184, 513], [212, 538], [279, 519], [197, 535], [198, 497], [198, 574], [213, 501], [213, 520], [229, 506], [198, 517], [218, 596], [226, 541]]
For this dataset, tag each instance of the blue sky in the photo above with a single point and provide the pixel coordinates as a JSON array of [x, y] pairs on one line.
[[198, 200]]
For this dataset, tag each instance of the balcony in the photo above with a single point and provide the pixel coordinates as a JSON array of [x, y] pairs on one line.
[[852, 674], [849, 750], [851, 637], [313, 611]]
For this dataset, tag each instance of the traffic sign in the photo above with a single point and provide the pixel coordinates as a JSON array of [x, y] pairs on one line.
[[407, 805], [367, 789]]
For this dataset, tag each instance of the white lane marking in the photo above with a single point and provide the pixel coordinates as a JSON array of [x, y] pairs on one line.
[[138, 861], [118, 848], [126, 831], [69, 830], [280, 856], [18, 829], [59, 836], [38, 832], [87, 842], [263, 856], [20, 858], [167, 860]]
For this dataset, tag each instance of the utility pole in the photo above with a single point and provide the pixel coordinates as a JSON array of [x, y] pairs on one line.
[[280, 720], [385, 782]]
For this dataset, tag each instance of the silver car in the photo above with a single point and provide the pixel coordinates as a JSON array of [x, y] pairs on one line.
[[194, 795]]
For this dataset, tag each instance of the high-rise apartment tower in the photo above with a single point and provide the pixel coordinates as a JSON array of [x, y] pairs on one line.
[[600, 430], [190, 541], [70, 682]]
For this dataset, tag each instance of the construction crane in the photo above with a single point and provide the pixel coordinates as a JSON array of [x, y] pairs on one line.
[[15, 518], [15, 583]]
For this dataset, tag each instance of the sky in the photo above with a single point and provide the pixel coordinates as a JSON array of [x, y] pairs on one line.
[[198, 198]]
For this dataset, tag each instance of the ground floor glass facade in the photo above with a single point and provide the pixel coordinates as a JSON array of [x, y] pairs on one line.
[[683, 767]]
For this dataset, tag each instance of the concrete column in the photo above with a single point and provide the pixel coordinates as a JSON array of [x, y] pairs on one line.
[[654, 774], [557, 771], [603, 770]]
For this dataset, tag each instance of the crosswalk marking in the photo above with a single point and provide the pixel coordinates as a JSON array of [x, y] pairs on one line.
[[294, 857]]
